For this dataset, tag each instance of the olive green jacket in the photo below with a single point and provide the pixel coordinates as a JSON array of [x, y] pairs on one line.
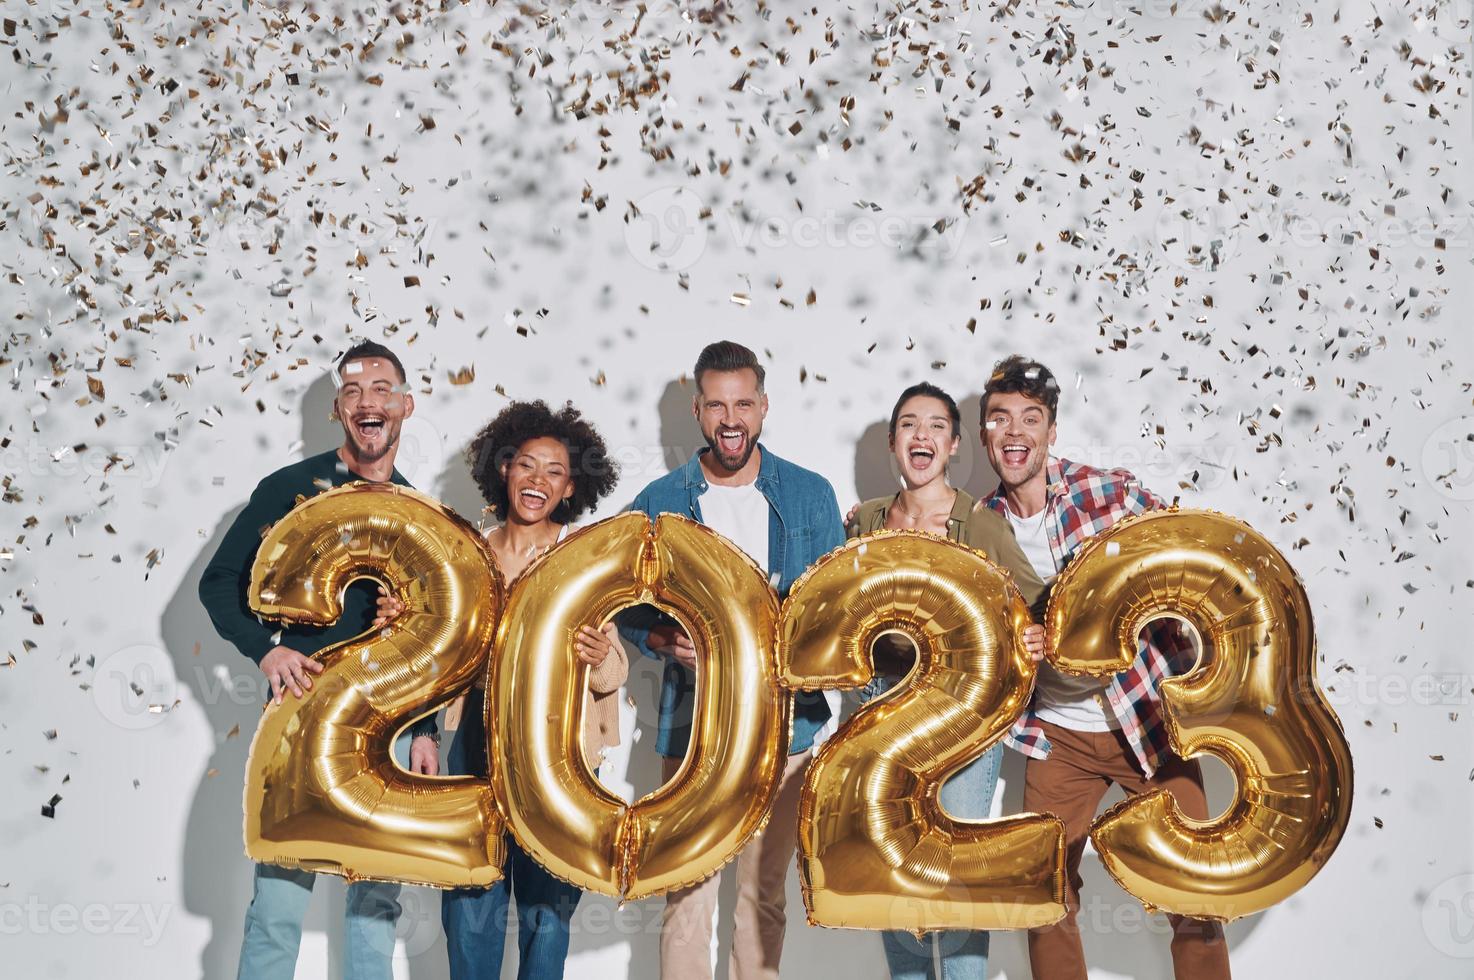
[[976, 526]]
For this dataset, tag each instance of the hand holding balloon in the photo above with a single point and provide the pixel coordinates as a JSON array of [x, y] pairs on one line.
[[673, 642], [390, 607], [1034, 642], [288, 670], [594, 645]]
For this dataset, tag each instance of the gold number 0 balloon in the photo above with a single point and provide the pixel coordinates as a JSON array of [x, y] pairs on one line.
[[878, 851], [559, 813], [322, 791], [1255, 705]]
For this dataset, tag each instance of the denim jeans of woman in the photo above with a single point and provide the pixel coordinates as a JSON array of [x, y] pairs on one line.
[[475, 919], [954, 954]]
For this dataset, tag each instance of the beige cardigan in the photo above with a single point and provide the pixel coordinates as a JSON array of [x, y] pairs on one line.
[[600, 707]]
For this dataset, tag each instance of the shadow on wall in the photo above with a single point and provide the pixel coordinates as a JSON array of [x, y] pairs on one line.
[[231, 691]]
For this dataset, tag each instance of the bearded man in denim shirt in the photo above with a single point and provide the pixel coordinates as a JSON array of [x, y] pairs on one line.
[[785, 518]]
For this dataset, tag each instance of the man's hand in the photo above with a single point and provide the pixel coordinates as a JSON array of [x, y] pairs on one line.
[[389, 609], [288, 670], [1034, 642], [850, 517], [673, 641], [424, 756]]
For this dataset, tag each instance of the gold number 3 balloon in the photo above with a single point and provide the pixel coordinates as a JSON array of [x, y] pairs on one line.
[[878, 851], [322, 791], [1252, 701]]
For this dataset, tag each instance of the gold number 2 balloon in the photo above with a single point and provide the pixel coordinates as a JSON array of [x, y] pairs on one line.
[[689, 828], [1252, 701], [322, 791], [878, 851]]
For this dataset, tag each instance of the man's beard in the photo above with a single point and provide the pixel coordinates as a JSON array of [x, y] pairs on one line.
[[732, 463], [366, 455], [1037, 461]]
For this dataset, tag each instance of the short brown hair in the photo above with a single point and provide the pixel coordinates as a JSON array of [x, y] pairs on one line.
[[728, 355], [1019, 374], [368, 349]]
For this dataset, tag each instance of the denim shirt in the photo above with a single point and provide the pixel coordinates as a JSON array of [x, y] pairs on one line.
[[803, 525]]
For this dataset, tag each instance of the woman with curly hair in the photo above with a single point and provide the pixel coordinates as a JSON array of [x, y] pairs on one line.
[[539, 469]]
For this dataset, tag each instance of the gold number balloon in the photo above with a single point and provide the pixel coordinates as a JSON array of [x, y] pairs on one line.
[[878, 851], [322, 790], [1252, 701], [689, 828]]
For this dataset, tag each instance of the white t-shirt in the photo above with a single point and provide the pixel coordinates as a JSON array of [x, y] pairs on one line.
[[1076, 703], [739, 514]]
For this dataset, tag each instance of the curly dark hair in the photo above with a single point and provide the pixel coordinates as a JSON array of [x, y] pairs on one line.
[[594, 473]]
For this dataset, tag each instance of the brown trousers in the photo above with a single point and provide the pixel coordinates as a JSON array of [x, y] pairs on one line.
[[1071, 783], [761, 915]]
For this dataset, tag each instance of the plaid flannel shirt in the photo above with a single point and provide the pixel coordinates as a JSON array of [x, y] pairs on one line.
[[1082, 501]]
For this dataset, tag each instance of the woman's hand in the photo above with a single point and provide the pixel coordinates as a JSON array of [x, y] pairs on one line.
[[390, 608], [593, 645], [1034, 642]]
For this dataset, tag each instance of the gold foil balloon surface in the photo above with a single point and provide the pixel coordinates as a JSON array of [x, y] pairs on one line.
[[877, 849], [1252, 701], [322, 790]]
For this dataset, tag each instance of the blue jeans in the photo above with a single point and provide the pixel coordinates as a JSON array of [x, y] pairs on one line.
[[274, 926], [475, 919], [954, 954], [279, 901]]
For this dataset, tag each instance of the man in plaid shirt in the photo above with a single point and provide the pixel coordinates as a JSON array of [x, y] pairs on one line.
[[1083, 734]]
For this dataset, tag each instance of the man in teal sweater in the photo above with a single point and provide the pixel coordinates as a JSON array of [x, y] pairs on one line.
[[372, 403]]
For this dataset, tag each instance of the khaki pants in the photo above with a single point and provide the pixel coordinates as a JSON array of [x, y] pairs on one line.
[[1071, 783], [762, 872]]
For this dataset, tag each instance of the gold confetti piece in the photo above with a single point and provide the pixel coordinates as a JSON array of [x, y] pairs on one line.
[[462, 376]]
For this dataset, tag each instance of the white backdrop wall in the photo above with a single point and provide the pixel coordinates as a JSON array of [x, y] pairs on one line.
[[1239, 233]]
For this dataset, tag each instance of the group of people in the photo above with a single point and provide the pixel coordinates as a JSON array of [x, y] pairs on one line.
[[541, 469]]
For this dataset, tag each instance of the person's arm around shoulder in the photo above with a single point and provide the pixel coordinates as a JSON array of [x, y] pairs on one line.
[[864, 514], [1130, 497]]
